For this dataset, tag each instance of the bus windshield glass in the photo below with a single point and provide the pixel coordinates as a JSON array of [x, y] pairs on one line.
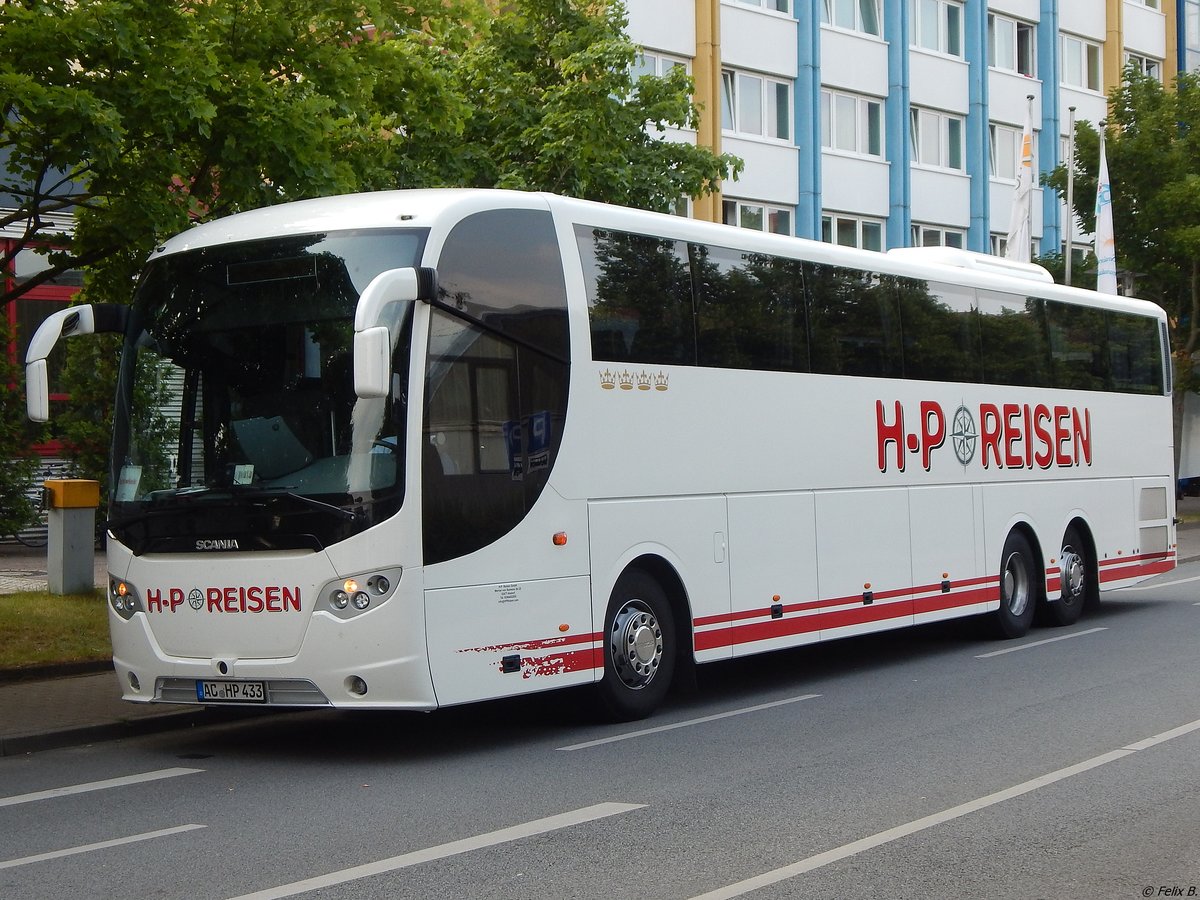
[[237, 420]]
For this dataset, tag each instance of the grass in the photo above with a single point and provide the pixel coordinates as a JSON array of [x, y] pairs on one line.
[[38, 629]]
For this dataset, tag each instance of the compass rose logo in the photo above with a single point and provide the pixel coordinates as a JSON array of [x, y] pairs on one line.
[[964, 435]]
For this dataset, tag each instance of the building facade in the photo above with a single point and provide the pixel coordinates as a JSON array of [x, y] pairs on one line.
[[891, 123]]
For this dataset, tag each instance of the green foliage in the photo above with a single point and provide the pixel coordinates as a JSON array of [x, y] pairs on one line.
[[555, 107], [1153, 147]]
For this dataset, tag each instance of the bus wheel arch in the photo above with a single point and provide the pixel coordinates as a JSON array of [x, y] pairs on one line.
[[1079, 576], [646, 631], [1022, 583]]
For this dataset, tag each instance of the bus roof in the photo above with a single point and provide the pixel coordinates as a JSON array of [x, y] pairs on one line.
[[421, 208]]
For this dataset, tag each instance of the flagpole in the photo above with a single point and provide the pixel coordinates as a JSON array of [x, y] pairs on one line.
[[1070, 189], [1029, 98]]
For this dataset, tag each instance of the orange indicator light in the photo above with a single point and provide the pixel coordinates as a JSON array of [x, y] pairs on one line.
[[351, 586], [564, 628], [560, 539], [122, 589]]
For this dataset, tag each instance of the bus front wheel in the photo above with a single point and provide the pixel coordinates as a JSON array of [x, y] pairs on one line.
[[1018, 588], [639, 647]]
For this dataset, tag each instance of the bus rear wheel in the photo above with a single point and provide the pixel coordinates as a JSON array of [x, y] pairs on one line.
[[1077, 581], [639, 648], [1018, 588]]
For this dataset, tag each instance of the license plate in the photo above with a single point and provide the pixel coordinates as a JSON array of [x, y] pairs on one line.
[[231, 692]]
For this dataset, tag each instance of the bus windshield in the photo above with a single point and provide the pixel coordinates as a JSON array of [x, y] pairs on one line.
[[237, 420]]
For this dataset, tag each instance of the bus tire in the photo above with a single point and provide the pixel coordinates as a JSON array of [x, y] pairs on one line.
[[1077, 581], [1018, 588], [639, 648]]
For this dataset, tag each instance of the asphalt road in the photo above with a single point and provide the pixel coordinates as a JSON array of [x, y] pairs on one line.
[[924, 764]]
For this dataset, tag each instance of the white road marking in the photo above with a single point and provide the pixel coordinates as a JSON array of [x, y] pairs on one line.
[[661, 728], [1161, 584], [1061, 637], [479, 842], [900, 831], [97, 786], [101, 845]]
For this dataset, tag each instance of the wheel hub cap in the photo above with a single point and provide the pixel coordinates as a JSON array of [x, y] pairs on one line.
[[636, 644]]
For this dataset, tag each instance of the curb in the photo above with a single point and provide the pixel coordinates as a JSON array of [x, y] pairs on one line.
[[109, 731], [55, 670]]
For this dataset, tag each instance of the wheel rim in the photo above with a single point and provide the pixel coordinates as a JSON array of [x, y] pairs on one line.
[[1015, 584], [1074, 574], [635, 644]]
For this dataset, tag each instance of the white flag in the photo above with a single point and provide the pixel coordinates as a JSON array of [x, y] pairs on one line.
[[1106, 245], [1019, 235]]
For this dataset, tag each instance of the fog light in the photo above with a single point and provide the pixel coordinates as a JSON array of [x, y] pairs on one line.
[[134, 683], [340, 599], [356, 685], [379, 584], [362, 600]]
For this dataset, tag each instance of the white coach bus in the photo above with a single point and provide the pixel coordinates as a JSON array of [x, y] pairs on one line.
[[414, 449]]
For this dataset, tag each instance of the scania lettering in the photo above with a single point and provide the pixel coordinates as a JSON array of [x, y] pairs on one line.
[[414, 449]]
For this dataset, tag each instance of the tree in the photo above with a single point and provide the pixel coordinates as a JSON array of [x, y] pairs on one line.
[[1153, 147], [554, 106], [139, 116]]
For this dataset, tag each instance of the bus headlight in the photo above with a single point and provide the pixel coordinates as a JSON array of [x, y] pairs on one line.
[[348, 597], [123, 598]]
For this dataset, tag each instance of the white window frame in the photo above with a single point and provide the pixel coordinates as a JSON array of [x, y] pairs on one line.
[[938, 236], [848, 15], [1149, 4], [929, 129], [945, 34], [659, 64], [1147, 65], [849, 123], [779, 6], [1088, 75], [765, 217], [1012, 45], [741, 116], [835, 226], [1004, 145]]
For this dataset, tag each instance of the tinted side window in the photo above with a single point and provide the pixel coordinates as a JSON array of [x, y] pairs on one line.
[[1013, 337], [1078, 346], [502, 267], [750, 310], [495, 403], [1134, 355], [639, 297], [854, 322], [941, 330]]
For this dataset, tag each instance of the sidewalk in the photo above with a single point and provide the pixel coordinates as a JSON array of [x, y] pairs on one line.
[[65, 706]]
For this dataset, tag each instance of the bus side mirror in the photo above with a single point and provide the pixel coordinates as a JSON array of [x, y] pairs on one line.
[[77, 320], [372, 339]]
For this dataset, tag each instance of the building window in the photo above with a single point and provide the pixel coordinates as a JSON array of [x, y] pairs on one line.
[[1080, 63], [851, 124], [937, 25], [651, 62], [1006, 151], [1191, 33], [1149, 4], [937, 139], [783, 6], [853, 15], [755, 105], [936, 236], [849, 231], [1145, 65], [1011, 45], [757, 216]]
